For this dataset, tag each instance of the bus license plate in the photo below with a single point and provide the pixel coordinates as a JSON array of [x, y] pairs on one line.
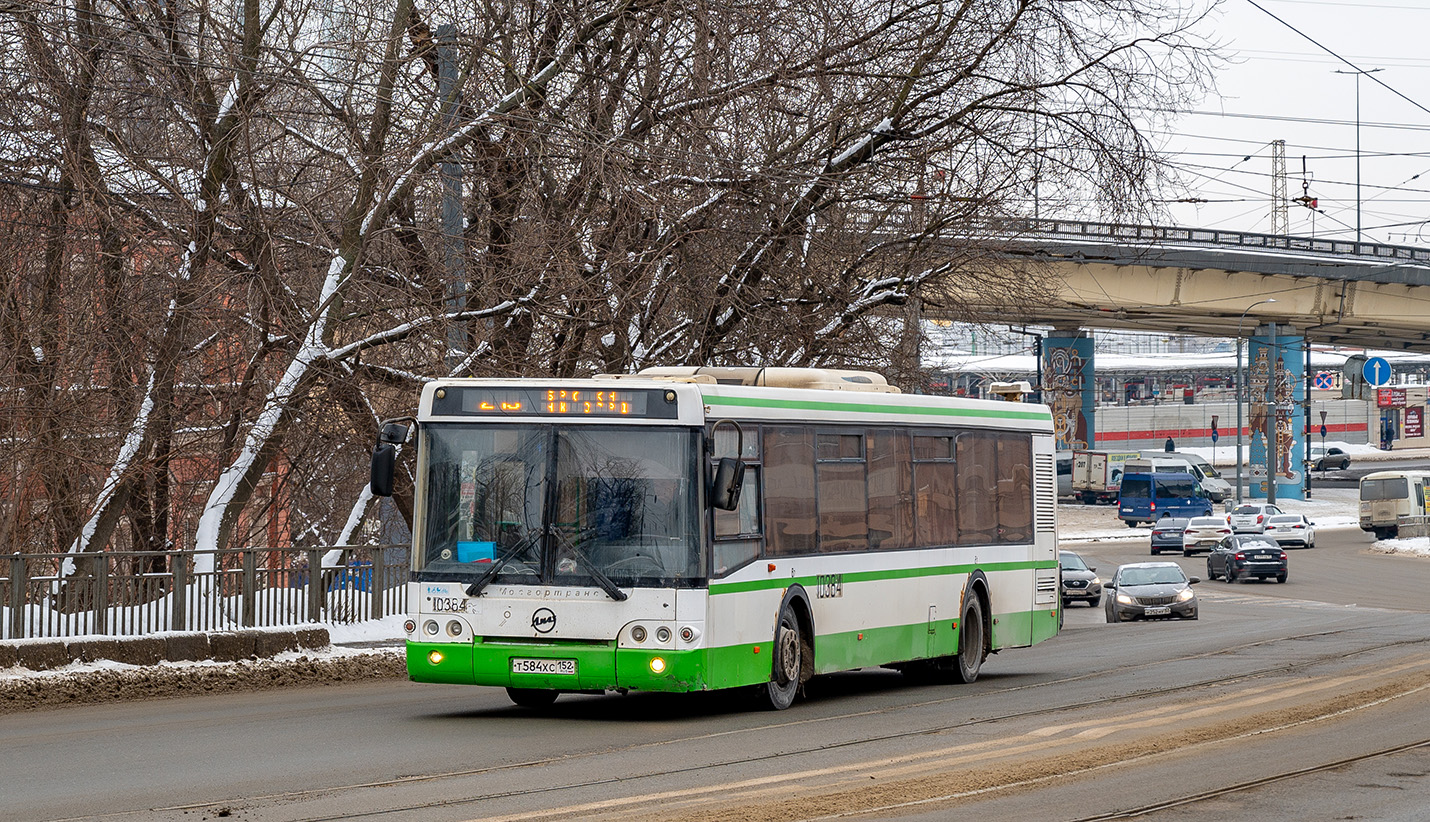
[[560, 667], [1158, 610]]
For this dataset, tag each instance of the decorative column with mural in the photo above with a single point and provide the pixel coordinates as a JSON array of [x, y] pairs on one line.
[[1069, 387], [1276, 389]]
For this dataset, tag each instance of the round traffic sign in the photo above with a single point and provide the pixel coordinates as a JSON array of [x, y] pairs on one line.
[[1376, 371]]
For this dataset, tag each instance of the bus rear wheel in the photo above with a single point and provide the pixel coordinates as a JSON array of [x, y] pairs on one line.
[[531, 697], [789, 651], [971, 640]]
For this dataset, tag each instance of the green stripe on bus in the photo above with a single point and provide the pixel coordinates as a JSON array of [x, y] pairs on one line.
[[873, 576], [856, 407], [604, 666]]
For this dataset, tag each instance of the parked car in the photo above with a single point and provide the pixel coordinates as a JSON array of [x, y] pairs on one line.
[[1203, 533], [1150, 590], [1080, 582], [1247, 555], [1329, 459], [1251, 517], [1291, 529], [1167, 534]]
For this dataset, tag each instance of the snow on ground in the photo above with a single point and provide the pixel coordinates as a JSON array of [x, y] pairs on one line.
[[1413, 546]]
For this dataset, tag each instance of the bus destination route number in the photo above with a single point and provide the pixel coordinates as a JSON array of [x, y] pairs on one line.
[[828, 586]]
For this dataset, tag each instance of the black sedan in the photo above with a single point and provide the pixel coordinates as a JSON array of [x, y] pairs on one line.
[[1167, 535], [1150, 590], [1241, 556]]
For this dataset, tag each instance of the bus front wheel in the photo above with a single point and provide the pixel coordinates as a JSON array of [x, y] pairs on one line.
[[971, 644], [789, 650]]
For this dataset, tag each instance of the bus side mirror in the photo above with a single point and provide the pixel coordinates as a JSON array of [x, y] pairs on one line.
[[384, 464], [384, 458], [725, 488]]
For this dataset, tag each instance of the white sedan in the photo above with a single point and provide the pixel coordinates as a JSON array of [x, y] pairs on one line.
[[1203, 533], [1291, 529], [1250, 518]]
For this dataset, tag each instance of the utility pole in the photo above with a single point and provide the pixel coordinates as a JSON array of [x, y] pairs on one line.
[[1273, 424], [454, 251], [1358, 73]]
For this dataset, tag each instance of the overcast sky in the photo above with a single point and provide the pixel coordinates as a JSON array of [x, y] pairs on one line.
[[1280, 85]]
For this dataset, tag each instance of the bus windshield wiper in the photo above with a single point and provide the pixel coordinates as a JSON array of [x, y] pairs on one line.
[[602, 580], [475, 589]]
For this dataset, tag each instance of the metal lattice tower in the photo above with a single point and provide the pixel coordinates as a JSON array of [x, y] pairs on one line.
[[1280, 219]]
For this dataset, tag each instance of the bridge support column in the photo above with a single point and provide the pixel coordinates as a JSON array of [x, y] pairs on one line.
[[1276, 389], [1069, 387]]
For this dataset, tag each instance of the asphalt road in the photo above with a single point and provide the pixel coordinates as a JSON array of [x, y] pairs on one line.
[[1305, 700]]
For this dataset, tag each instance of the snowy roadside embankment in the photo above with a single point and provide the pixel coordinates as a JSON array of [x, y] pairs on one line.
[[1412, 546], [104, 680]]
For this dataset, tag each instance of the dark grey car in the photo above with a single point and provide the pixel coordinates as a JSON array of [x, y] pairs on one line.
[[1150, 590], [1167, 535], [1080, 582]]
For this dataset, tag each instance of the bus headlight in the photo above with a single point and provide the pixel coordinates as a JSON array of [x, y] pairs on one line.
[[657, 665], [410, 626], [454, 628], [689, 633], [662, 634], [430, 626], [638, 633], [434, 657]]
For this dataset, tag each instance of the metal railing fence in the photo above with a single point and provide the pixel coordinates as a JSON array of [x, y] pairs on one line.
[[134, 593]]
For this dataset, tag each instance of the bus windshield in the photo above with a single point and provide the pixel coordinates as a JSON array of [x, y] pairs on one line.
[[558, 502]]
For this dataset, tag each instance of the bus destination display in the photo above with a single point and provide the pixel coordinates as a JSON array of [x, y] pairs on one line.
[[556, 402]]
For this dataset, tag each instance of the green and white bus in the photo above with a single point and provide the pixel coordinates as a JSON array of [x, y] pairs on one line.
[[688, 529]]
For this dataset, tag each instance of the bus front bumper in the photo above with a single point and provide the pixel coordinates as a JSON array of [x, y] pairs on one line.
[[581, 666]]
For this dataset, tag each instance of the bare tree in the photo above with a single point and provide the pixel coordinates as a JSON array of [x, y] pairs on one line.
[[649, 182]]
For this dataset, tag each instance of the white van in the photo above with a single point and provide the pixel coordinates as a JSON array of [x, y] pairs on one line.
[[1386, 496], [1216, 488]]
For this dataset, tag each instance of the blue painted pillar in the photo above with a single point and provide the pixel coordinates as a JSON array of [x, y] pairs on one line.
[[1276, 389], [1069, 387]]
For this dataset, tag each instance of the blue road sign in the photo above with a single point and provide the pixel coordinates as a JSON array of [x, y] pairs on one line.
[[1376, 371], [1323, 432], [1215, 435], [1324, 381]]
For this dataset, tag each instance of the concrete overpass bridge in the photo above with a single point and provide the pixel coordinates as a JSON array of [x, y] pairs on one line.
[[1200, 281], [1282, 292]]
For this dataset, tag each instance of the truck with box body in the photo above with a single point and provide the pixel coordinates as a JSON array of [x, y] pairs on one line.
[[1096, 475]]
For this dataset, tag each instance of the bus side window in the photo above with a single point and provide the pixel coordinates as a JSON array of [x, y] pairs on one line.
[[737, 532], [789, 494]]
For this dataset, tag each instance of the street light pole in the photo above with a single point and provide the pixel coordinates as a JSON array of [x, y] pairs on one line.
[[1239, 391], [1358, 73]]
